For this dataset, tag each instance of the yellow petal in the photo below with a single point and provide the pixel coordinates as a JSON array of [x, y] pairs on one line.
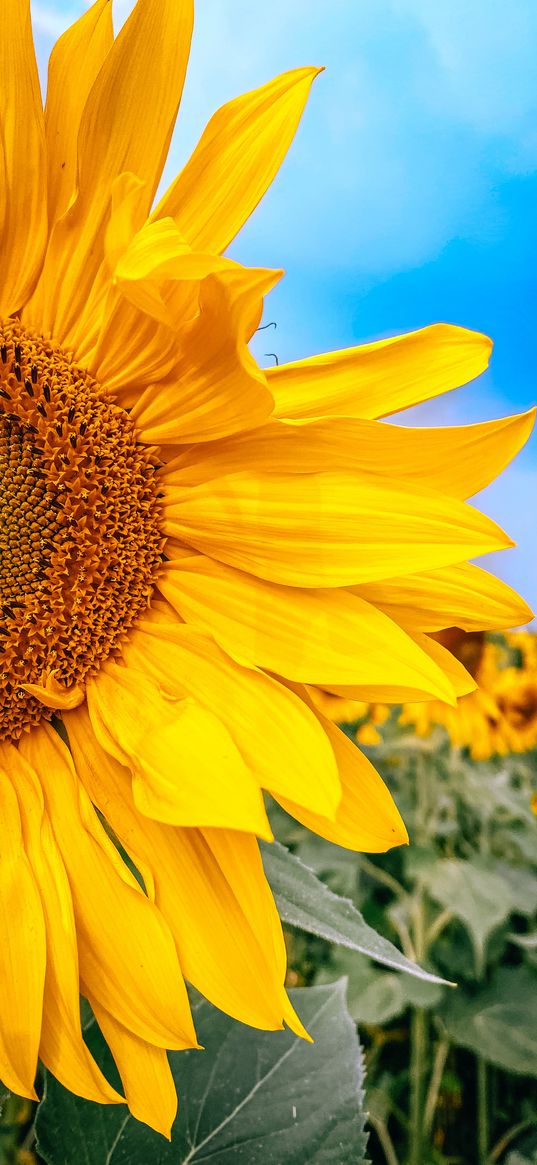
[[462, 596], [125, 221], [337, 710], [316, 636], [73, 67], [460, 679], [62, 1048], [374, 380], [367, 818], [160, 250], [457, 461], [324, 529], [138, 317], [278, 737], [23, 216], [220, 914], [350, 695], [240, 861], [235, 161], [159, 253], [126, 125], [226, 953], [53, 694], [217, 388], [145, 1073], [132, 351], [127, 217], [186, 767], [127, 955], [109, 786], [22, 947]]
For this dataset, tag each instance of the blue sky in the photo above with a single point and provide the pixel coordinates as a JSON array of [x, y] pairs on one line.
[[408, 196]]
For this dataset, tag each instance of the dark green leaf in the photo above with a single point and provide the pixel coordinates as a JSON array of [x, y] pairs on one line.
[[498, 1022], [478, 896], [523, 885], [305, 902], [251, 1098], [374, 996]]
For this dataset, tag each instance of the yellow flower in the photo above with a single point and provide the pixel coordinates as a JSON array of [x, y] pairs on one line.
[[499, 717], [516, 696], [185, 547]]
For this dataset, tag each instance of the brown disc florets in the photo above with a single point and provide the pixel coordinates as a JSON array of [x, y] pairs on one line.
[[80, 534], [518, 702]]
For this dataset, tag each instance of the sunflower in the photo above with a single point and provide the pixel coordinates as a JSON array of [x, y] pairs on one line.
[[500, 717], [188, 542], [516, 696], [497, 718]]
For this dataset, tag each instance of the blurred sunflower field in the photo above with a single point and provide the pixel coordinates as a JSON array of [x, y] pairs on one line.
[[451, 1068]]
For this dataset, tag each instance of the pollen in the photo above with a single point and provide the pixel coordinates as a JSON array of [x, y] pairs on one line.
[[80, 525]]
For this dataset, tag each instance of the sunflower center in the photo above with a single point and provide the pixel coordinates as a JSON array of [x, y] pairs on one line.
[[80, 537], [520, 707]]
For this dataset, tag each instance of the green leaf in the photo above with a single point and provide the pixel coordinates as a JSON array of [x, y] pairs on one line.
[[305, 902], [498, 1022], [477, 896], [419, 862], [528, 942], [420, 993], [523, 885], [526, 1154], [380, 1002], [251, 1098], [374, 996]]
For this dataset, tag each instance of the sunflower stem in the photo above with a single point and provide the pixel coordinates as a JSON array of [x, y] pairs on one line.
[[418, 1052], [379, 875], [482, 1110], [385, 1140], [418, 1042], [441, 1054], [418, 1025]]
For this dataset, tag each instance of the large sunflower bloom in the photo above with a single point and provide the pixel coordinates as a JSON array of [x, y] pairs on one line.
[[185, 546]]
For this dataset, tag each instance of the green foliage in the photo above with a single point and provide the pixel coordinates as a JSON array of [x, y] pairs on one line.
[[499, 1021], [451, 1070], [250, 1098], [478, 896], [305, 902], [374, 997]]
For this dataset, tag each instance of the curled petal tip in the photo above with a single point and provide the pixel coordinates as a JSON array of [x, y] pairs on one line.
[[55, 695]]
